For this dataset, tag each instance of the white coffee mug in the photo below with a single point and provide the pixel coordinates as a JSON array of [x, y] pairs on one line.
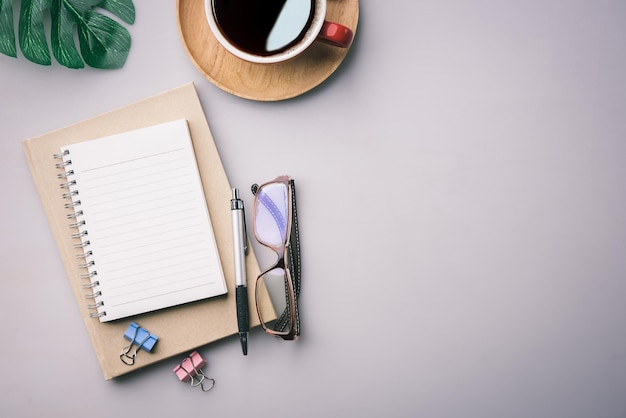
[[272, 31]]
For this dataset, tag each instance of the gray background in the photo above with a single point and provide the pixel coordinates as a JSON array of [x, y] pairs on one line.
[[462, 210]]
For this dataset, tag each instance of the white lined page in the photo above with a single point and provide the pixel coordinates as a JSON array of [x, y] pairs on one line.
[[146, 220]]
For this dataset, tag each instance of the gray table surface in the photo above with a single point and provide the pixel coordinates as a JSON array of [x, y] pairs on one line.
[[462, 200]]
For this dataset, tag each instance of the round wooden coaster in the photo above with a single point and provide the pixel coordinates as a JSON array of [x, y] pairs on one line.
[[263, 82]]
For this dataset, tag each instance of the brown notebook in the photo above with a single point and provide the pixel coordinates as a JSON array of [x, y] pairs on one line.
[[187, 325]]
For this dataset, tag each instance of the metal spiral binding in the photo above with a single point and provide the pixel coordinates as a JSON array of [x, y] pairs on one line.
[[68, 183]]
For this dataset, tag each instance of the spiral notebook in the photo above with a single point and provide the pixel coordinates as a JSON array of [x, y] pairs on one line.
[[140, 218], [182, 327]]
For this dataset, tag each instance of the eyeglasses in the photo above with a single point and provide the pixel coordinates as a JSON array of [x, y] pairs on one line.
[[276, 227]]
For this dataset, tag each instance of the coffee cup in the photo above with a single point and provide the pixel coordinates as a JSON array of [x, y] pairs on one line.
[[272, 31]]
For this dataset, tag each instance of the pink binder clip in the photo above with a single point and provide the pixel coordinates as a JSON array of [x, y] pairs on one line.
[[190, 370]]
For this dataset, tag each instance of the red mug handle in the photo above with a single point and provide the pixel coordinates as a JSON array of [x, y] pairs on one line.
[[335, 34]]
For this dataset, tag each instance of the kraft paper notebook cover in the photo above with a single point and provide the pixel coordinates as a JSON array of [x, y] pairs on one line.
[[180, 328]]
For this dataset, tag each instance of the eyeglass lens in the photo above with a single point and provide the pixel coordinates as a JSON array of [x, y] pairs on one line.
[[271, 217]]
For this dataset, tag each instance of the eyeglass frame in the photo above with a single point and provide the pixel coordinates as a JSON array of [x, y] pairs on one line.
[[288, 259]]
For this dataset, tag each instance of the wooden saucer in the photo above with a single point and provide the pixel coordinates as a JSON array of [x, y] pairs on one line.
[[263, 82]]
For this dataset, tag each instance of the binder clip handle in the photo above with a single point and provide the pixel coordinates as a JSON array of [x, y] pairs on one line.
[[200, 382], [129, 360]]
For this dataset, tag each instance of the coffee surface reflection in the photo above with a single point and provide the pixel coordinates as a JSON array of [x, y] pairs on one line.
[[263, 27]]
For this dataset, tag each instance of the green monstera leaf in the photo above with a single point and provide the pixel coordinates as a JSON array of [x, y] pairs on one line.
[[104, 43]]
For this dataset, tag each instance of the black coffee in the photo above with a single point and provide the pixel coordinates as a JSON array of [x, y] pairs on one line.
[[263, 27]]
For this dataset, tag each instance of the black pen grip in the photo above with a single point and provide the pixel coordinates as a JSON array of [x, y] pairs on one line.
[[241, 294]]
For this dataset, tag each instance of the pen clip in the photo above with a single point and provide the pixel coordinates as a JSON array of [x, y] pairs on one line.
[[244, 230], [237, 203]]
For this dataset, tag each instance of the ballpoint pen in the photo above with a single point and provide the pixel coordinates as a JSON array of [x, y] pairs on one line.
[[240, 240]]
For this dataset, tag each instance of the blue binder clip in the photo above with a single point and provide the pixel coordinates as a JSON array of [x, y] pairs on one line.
[[139, 336]]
